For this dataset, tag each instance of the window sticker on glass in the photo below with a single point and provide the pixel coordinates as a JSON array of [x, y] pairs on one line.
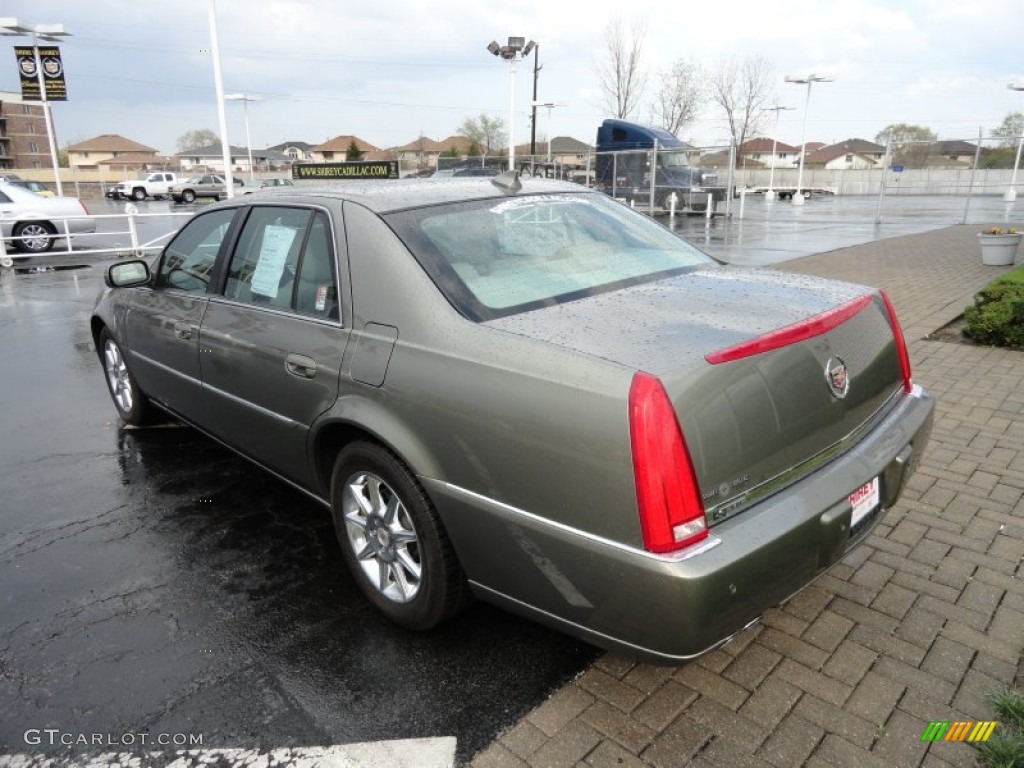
[[277, 241]]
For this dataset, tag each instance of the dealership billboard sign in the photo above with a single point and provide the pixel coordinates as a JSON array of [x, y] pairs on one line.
[[53, 73]]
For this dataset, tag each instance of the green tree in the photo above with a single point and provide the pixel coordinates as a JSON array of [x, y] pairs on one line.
[[196, 138], [485, 131], [353, 152], [1010, 130]]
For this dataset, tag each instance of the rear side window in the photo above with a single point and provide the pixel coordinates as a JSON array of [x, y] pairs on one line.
[[188, 261], [285, 259]]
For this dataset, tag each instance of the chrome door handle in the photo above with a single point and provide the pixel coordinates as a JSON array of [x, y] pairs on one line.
[[301, 366], [183, 330]]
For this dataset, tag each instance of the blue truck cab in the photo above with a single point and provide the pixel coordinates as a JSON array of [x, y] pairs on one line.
[[623, 167]]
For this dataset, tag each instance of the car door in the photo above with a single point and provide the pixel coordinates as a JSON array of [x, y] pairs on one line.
[[273, 340], [161, 324]]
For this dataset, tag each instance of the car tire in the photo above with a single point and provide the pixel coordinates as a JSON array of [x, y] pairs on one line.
[[393, 540], [132, 405], [138, 194], [41, 234], [188, 196]]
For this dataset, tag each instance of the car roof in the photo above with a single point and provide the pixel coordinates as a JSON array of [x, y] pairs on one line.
[[387, 195]]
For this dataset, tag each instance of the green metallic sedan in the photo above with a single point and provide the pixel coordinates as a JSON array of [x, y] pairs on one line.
[[526, 392]]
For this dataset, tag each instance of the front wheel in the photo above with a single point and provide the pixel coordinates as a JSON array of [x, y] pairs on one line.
[[138, 194], [188, 196], [37, 236], [393, 540], [131, 403]]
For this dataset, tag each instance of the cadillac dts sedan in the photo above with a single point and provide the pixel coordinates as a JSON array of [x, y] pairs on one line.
[[526, 392]]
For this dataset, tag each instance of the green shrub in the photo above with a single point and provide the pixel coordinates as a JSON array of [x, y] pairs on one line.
[[997, 316]]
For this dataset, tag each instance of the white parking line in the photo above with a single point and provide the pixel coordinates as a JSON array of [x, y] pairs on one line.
[[405, 753]]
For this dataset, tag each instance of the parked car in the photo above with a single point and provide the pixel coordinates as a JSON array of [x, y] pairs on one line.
[[208, 185], [259, 184], [476, 172], [530, 393], [36, 222], [32, 186]]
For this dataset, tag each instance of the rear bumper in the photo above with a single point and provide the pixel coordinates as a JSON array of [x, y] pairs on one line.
[[669, 609]]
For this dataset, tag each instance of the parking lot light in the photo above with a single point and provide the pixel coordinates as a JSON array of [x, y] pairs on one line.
[[1011, 194], [809, 80], [245, 98], [769, 194], [516, 48], [53, 33]]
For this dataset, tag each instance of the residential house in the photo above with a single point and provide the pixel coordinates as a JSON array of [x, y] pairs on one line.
[[564, 149], [334, 150], [956, 150], [295, 151], [23, 139], [767, 153], [211, 158], [852, 154], [99, 150]]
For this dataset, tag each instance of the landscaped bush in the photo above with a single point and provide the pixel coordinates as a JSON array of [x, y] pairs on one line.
[[997, 316]]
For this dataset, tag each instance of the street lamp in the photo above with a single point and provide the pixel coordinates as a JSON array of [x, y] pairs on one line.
[[770, 194], [798, 197], [52, 33], [1011, 194], [517, 48], [245, 98], [549, 105]]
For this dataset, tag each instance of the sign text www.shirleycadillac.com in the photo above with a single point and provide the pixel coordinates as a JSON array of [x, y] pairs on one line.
[[354, 169]]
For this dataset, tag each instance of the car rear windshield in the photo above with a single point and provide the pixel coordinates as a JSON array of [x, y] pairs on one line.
[[497, 257]]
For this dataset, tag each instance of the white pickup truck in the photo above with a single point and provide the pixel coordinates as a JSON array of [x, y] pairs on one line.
[[156, 184]]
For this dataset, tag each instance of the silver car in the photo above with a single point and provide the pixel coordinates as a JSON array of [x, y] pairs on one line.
[[531, 394], [32, 223]]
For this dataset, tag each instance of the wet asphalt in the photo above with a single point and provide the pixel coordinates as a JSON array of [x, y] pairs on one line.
[[153, 582]]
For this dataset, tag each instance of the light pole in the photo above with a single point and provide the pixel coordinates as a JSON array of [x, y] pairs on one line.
[[222, 119], [517, 48], [245, 98], [549, 105], [53, 33], [1011, 194], [798, 196], [769, 195]]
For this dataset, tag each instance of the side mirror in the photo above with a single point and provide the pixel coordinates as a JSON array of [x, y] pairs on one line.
[[127, 274]]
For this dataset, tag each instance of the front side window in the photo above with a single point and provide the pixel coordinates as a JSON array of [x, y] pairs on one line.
[[188, 260], [493, 258]]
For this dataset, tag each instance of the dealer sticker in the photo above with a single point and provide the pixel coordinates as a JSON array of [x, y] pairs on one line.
[[863, 501]]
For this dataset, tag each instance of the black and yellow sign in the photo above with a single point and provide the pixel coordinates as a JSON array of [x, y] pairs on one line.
[[53, 73], [354, 169]]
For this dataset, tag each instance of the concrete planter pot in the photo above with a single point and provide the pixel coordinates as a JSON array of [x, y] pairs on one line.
[[999, 250]]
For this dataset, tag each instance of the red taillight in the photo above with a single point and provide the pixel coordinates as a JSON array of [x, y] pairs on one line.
[[81, 203], [671, 510], [791, 334], [901, 344]]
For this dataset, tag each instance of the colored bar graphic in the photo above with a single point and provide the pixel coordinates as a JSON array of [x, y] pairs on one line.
[[958, 730]]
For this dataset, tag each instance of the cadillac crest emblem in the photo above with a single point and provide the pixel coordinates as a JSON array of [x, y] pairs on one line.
[[837, 377]]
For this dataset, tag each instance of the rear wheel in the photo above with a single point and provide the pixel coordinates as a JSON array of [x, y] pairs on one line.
[[131, 403], [393, 540], [37, 236]]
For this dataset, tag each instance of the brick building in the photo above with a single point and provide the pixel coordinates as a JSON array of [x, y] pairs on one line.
[[23, 141]]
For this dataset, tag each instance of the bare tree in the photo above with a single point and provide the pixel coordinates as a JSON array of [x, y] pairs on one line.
[[680, 94], [196, 139], [619, 70], [485, 131], [742, 89]]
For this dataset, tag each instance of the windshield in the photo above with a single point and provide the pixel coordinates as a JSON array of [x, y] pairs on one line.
[[493, 258], [674, 160]]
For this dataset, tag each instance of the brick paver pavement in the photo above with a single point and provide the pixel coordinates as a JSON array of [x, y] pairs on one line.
[[916, 625]]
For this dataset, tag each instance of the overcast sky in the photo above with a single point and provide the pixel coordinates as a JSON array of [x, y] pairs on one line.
[[391, 71]]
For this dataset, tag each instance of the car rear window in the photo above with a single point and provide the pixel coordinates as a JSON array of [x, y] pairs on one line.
[[497, 257]]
